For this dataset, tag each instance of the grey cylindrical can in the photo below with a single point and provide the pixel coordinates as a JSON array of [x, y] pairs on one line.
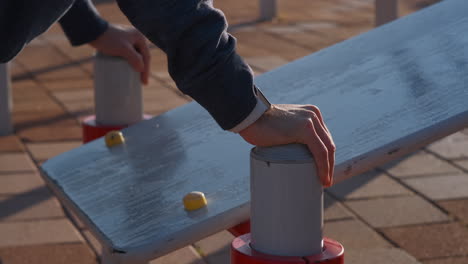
[[118, 95], [6, 102], [286, 201]]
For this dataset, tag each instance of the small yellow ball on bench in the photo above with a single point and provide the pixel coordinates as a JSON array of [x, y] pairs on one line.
[[114, 138], [194, 201]]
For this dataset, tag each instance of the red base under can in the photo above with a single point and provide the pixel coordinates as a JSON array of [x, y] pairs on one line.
[[240, 229], [92, 131], [243, 253]]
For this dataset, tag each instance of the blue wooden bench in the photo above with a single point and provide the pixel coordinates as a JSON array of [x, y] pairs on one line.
[[383, 94]]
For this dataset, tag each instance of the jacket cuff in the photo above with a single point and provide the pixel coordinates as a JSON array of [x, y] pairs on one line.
[[82, 23], [261, 107]]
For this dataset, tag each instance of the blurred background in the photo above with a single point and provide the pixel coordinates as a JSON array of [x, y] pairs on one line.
[[52, 86]]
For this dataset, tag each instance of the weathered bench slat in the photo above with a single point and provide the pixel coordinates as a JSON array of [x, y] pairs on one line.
[[383, 94]]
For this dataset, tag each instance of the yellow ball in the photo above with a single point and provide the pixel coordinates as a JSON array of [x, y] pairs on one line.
[[114, 138], [194, 201]]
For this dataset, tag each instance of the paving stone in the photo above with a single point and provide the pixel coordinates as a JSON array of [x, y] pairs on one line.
[[24, 84], [158, 100], [18, 183], [186, 255], [397, 211], [284, 29], [40, 58], [75, 220], [379, 255], [80, 109], [455, 260], [37, 204], [31, 119], [318, 25], [38, 41], [360, 4], [419, 164], [458, 208], [16, 68], [162, 75], [70, 253], [246, 50], [354, 234], [29, 95], [243, 29], [74, 95], [431, 241], [163, 79], [441, 187], [79, 102], [65, 85], [266, 63], [463, 164], [76, 53], [454, 146], [88, 66], [36, 106], [92, 241], [368, 185], [334, 210], [38, 232], [272, 45], [16, 162], [239, 12], [71, 131], [216, 248], [314, 41], [10, 144], [47, 150], [47, 126]]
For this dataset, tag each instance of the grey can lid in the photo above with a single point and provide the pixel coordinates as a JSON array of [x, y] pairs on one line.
[[290, 153]]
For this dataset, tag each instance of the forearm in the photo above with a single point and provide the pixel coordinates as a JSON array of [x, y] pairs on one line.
[[201, 54], [82, 23]]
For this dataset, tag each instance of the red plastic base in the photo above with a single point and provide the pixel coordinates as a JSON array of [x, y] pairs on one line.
[[240, 229], [92, 131], [242, 253]]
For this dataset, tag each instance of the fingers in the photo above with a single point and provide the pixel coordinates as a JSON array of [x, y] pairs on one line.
[[134, 58], [316, 110], [324, 135], [142, 48], [328, 142], [127, 43], [319, 151]]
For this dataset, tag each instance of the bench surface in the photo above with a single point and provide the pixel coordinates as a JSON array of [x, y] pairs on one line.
[[383, 94]]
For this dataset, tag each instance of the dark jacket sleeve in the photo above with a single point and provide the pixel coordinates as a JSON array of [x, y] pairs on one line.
[[82, 23], [23, 20], [201, 54]]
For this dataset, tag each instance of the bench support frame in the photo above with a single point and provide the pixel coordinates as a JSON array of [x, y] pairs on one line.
[[6, 102], [385, 11], [268, 9], [110, 258]]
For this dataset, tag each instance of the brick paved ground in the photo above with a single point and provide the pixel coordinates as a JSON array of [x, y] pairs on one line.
[[410, 211]]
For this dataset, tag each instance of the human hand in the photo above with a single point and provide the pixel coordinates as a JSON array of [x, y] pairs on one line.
[[285, 124], [128, 43]]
